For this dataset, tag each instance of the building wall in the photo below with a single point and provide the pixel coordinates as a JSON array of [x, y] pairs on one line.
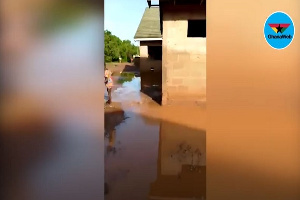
[[148, 77], [145, 62], [184, 59], [254, 103]]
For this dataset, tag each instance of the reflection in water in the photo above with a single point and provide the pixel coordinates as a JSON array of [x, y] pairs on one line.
[[151, 84], [181, 163], [186, 152], [126, 77], [152, 157], [129, 91], [111, 145], [113, 118]]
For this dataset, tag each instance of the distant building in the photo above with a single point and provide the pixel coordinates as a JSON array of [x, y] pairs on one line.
[[177, 31]]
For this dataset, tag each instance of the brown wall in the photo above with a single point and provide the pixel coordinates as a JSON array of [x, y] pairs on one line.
[[253, 95], [151, 43], [184, 59]]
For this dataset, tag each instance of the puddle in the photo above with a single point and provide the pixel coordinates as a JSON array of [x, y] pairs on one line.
[[128, 91], [128, 87], [150, 157]]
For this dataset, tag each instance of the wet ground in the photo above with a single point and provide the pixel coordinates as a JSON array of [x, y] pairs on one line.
[[117, 68], [153, 152]]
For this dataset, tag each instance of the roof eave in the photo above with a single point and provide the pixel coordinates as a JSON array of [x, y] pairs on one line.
[[147, 39]]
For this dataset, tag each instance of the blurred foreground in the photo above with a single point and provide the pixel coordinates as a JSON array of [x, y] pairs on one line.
[[52, 113]]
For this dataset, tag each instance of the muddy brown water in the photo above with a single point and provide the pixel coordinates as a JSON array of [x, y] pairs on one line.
[[153, 152]]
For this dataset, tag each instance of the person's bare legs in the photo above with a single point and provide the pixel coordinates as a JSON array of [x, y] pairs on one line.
[[109, 95]]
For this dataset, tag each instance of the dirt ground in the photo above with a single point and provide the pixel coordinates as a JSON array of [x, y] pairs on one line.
[[117, 68]]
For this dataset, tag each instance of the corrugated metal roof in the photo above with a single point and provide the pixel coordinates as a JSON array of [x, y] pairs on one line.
[[150, 24]]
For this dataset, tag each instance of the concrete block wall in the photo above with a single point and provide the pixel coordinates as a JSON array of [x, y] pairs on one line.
[[184, 58]]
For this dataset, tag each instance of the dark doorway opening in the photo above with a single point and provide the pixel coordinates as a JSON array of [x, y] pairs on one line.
[[155, 52], [151, 81], [196, 28]]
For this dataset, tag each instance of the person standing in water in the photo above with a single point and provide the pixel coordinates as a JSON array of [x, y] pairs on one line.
[[106, 74], [108, 83]]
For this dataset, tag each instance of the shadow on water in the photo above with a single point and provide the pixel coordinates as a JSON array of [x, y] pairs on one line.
[[147, 158], [119, 68], [132, 69]]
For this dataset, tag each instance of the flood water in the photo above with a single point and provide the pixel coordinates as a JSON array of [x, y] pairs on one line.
[[153, 152]]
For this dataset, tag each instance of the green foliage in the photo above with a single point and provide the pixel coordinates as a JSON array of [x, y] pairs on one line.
[[114, 48]]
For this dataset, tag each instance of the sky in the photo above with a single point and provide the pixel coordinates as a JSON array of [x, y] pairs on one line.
[[122, 17]]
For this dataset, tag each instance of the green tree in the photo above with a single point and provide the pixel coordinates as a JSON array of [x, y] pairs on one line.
[[114, 48]]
